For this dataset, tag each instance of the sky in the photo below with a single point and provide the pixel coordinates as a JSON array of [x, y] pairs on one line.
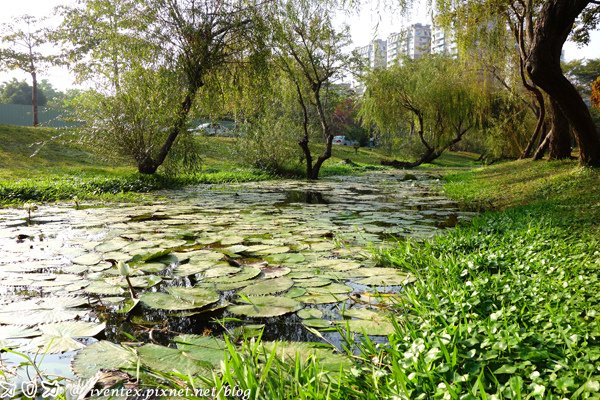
[[371, 23]]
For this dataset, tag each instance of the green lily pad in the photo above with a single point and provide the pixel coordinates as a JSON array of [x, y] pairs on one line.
[[17, 332], [245, 274], [313, 282], [58, 337], [168, 360], [268, 286], [317, 323], [103, 288], [205, 348], [323, 298], [274, 272], [88, 259], [387, 280], [35, 317], [334, 288], [180, 298], [285, 258], [310, 313], [265, 306], [295, 292], [102, 355], [375, 327]]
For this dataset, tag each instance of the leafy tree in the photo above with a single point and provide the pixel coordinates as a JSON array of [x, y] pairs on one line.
[[97, 37], [184, 42], [20, 92], [540, 29], [582, 73], [432, 98], [595, 96], [24, 38], [309, 51]]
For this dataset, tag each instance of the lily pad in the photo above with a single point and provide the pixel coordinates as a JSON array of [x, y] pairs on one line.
[[180, 298], [205, 348], [265, 306], [168, 360], [58, 337], [310, 313], [102, 355], [322, 298], [268, 286]]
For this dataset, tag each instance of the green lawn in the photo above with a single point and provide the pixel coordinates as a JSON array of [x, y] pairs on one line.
[[44, 164]]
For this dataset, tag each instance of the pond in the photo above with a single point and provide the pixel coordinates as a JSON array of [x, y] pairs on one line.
[[293, 258]]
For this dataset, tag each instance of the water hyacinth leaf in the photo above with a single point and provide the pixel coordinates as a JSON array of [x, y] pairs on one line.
[[102, 355], [265, 306], [268, 286], [170, 360]]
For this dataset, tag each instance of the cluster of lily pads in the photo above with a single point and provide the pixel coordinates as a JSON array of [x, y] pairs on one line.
[[252, 251]]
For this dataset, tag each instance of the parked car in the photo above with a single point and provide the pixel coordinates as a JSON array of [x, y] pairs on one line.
[[210, 129], [341, 140]]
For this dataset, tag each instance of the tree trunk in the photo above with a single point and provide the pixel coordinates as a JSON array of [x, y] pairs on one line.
[[554, 23], [560, 139], [34, 99], [307, 156], [322, 158], [149, 165]]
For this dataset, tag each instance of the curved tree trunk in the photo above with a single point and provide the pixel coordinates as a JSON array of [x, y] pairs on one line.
[[553, 25], [559, 147]]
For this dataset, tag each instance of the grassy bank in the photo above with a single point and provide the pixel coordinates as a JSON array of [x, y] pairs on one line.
[[44, 164]]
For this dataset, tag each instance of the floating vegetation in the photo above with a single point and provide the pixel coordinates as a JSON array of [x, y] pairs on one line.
[[287, 255]]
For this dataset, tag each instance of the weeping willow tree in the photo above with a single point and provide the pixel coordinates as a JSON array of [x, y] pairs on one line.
[[540, 29], [432, 98]]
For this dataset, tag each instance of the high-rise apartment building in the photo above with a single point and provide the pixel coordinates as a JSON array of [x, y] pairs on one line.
[[443, 42], [375, 53], [413, 41]]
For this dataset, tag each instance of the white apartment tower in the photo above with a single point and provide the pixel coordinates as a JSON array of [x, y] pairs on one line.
[[443, 42], [414, 41], [375, 53]]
